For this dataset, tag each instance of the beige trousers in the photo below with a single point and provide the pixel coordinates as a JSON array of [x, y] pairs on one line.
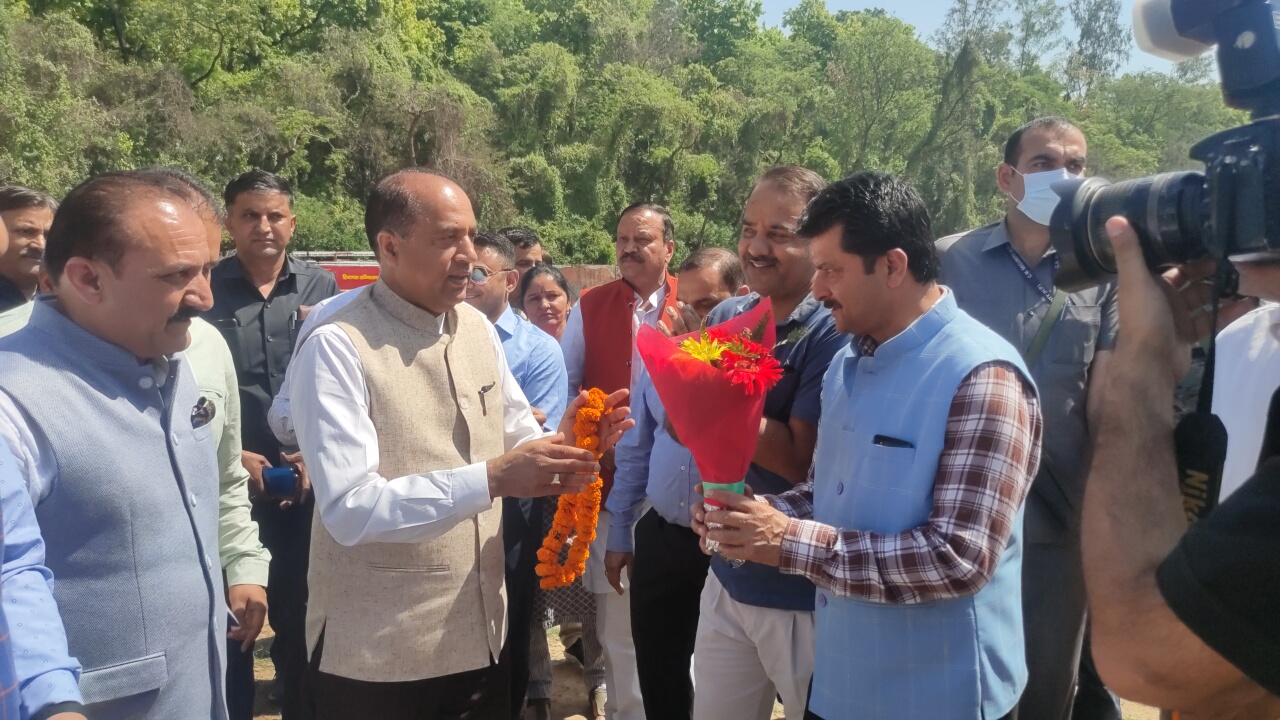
[[744, 656]]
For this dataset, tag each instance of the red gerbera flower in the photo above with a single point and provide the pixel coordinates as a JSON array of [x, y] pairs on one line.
[[752, 348], [720, 334], [757, 373]]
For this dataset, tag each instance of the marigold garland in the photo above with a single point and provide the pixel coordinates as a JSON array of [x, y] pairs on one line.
[[577, 513]]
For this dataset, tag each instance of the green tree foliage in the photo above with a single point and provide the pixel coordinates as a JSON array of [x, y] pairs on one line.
[[1037, 32], [558, 113], [1103, 44]]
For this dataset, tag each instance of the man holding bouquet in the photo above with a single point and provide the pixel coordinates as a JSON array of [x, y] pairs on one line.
[[910, 525], [755, 628]]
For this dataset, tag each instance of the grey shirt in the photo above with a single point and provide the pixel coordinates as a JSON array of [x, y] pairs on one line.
[[990, 286]]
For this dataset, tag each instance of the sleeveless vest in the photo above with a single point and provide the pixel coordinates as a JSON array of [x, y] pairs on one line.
[[956, 659], [395, 612], [131, 524], [607, 312]]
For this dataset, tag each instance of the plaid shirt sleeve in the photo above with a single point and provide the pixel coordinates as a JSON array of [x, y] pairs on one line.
[[990, 456], [796, 502]]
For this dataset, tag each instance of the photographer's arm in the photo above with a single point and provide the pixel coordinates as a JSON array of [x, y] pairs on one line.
[[1133, 515], [1099, 373]]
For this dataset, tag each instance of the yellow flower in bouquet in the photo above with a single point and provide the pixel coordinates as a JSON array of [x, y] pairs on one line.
[[704, 347]]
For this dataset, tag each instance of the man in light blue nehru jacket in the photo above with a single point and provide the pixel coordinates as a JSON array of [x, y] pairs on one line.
[[911, 522], [115, 445]]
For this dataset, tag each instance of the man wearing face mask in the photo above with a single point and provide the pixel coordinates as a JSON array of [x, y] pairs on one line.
[[1003, 275]]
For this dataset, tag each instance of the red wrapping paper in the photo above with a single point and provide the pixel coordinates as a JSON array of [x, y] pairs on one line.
[[717, 420]]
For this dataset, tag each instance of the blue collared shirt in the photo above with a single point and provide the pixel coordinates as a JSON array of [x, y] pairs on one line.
[[46, 672], [536, 363], [650, 465]]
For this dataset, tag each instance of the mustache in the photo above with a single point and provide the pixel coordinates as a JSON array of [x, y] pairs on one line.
[[631, 256], [762, 259], [185, 313], [32, 253], [830, 304]]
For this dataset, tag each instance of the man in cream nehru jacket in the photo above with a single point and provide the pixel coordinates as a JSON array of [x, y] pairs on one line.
[[413, 428]]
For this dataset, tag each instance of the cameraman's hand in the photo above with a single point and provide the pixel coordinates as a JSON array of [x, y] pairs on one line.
[[1160, 317]]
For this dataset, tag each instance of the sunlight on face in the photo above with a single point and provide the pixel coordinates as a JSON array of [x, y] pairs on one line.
[[547, 305], [261, 224], [430, 264], [162, 280]]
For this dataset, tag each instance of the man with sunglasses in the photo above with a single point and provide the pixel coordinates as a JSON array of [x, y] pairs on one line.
[[538, 368]]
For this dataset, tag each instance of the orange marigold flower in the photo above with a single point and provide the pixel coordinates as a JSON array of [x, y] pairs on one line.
[[576, 515]]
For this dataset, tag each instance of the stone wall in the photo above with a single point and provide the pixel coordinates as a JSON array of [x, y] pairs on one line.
[[585, 276]]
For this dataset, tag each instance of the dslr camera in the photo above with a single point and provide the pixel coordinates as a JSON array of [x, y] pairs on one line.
[[1229, 212]]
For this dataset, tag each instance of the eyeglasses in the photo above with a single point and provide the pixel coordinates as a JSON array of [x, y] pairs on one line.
[[480, 275]]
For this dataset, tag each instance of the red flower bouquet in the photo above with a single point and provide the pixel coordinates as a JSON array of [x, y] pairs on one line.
[[712, 384]]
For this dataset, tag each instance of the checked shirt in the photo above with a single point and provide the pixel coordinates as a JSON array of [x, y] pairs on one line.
[[985, 470]]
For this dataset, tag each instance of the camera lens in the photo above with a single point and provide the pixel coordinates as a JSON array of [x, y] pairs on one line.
[[1168, 212]]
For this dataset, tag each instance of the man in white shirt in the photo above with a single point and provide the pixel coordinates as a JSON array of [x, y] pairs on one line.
[[280, 416], [599, 346], [413, 428], [1246, 376]]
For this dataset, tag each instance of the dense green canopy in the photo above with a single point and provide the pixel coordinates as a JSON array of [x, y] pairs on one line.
[[558, 113]]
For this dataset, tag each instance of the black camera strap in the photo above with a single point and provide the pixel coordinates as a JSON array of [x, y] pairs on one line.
[[1271, 437], [1200, 439]]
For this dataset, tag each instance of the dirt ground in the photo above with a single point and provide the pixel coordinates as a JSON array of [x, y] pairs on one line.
[[568, 697]]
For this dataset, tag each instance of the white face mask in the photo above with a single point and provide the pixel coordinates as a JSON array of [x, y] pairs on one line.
[[1038, 198]]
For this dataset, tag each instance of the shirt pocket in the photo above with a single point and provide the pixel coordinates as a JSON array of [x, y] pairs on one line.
[[231, 332], [126, 679], [884, 467], [218, 401], [1075, 336]]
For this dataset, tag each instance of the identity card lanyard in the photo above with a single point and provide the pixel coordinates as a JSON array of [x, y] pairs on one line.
[[1057, 301], [1030, 276]]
